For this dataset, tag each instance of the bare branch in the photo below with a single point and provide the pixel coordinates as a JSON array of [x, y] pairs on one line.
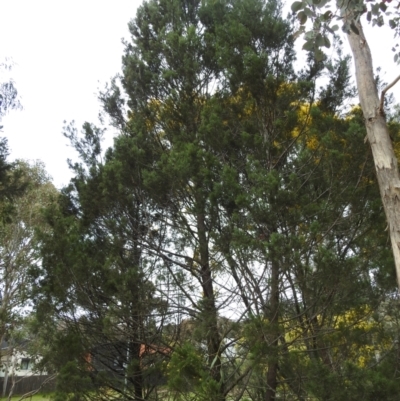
[[33, 392], [384, 93]]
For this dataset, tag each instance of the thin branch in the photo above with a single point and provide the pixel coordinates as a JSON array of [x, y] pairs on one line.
[[33, 392], [384, 93]]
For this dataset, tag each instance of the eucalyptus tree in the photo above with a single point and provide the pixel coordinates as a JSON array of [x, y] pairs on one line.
[[9, 99], [22, 216]]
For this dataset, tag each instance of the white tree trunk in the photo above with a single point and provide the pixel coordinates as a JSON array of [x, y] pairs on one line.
[[6, 370], [378, 136]]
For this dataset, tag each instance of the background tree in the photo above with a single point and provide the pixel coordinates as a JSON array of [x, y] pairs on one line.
[[18, 239], [9, 99], [108, 311], [286, 230], [22, 216]]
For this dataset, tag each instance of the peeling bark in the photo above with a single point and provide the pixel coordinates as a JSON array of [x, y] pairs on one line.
[[385, 160]]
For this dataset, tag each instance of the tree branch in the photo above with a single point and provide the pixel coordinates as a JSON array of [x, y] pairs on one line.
[[33, 392], [384, 93]]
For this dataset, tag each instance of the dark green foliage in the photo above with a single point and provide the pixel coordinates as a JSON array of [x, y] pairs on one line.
[[10, 184]]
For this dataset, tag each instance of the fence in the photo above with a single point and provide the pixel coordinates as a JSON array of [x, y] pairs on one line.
[[24, 385]]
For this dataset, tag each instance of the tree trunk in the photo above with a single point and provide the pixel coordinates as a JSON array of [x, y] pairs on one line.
[[137, 375], [273, 315], [6, 369], [136, 323], [378, 136], [210, 309]]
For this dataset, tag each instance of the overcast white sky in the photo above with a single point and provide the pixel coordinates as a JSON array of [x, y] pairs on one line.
[[65, 51]]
